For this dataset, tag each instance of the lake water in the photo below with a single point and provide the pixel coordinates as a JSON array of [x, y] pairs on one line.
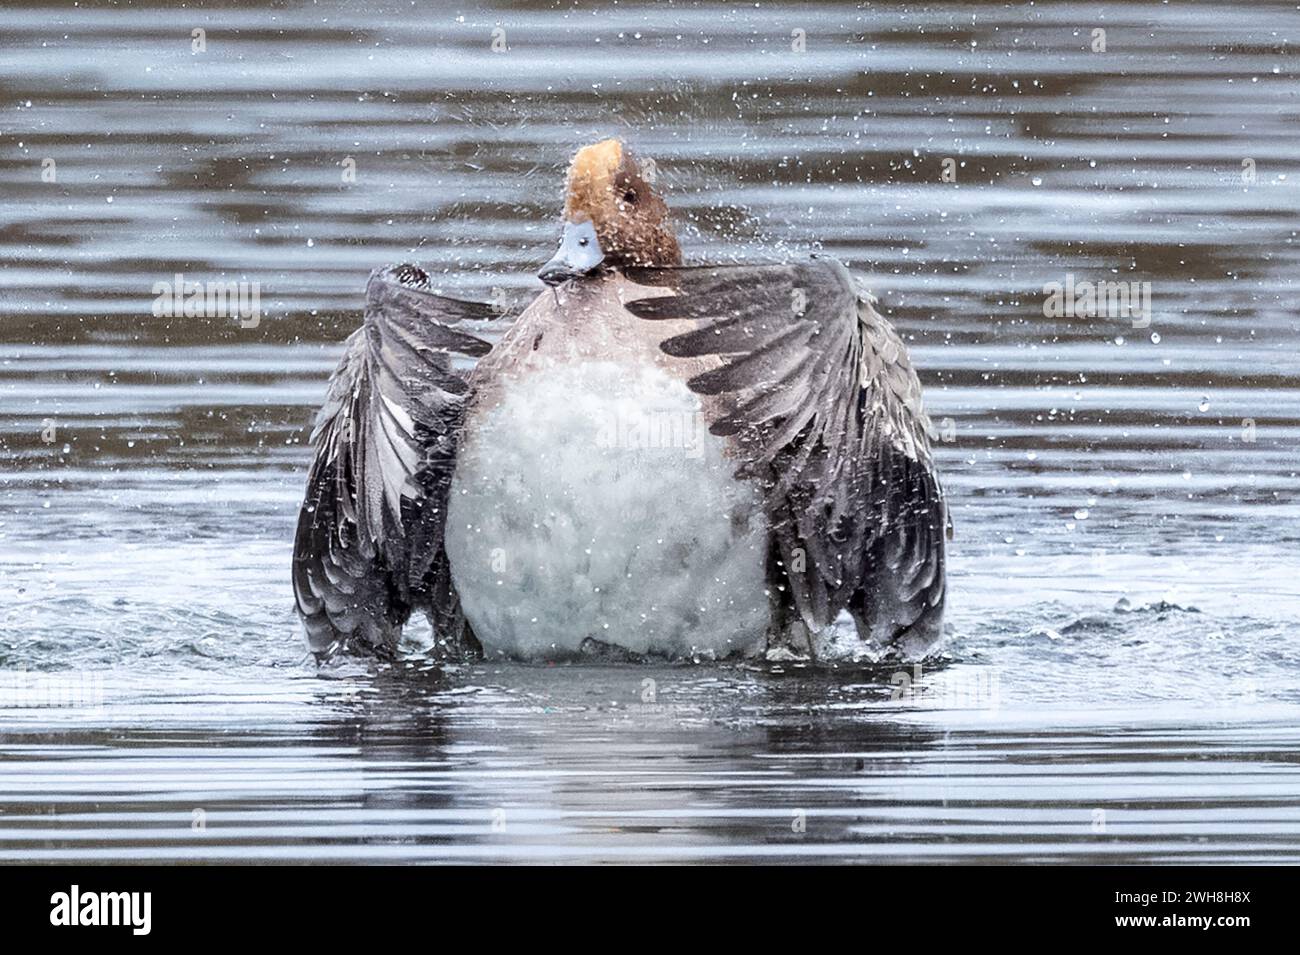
[[1121, 680]]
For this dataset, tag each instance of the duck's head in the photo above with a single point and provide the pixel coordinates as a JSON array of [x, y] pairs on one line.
[[613, 218]]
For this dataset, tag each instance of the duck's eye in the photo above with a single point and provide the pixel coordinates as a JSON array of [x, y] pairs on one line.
[[583, 241], [629, 196]]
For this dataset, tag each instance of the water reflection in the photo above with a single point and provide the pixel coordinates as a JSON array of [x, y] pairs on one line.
[[522, 763]]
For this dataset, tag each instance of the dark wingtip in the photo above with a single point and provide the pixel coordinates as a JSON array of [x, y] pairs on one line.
[[412, 276], [407, 286], [659, 308], [680, 346], [404, 274]]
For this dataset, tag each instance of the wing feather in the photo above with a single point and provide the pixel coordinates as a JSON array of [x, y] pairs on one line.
[[369, 540], [819, 398]]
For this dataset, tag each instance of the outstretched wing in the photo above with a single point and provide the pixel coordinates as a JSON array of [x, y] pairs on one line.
[[816, 391], [369, 538]]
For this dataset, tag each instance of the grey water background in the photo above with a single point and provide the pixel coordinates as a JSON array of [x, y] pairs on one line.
[[1122, 678]]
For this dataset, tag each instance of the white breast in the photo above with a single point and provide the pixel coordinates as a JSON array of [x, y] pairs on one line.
[[592, 502]]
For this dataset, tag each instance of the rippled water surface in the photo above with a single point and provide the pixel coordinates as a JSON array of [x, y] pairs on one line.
[[1122, 677]]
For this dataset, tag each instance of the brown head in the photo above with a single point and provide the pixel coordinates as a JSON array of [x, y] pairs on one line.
[[613, 218]]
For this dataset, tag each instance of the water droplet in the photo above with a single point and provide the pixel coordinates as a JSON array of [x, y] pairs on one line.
[[1204, 405], [1081, 514], [1155, 338]]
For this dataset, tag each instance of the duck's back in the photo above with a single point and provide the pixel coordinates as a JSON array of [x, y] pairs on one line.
[[590, 507]]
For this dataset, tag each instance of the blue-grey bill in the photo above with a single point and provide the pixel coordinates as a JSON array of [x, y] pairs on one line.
[[579, 254]]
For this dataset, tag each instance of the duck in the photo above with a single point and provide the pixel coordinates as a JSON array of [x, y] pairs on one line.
[[653, 461]]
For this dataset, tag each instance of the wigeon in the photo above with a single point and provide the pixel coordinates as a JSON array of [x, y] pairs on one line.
[[654, 461]]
